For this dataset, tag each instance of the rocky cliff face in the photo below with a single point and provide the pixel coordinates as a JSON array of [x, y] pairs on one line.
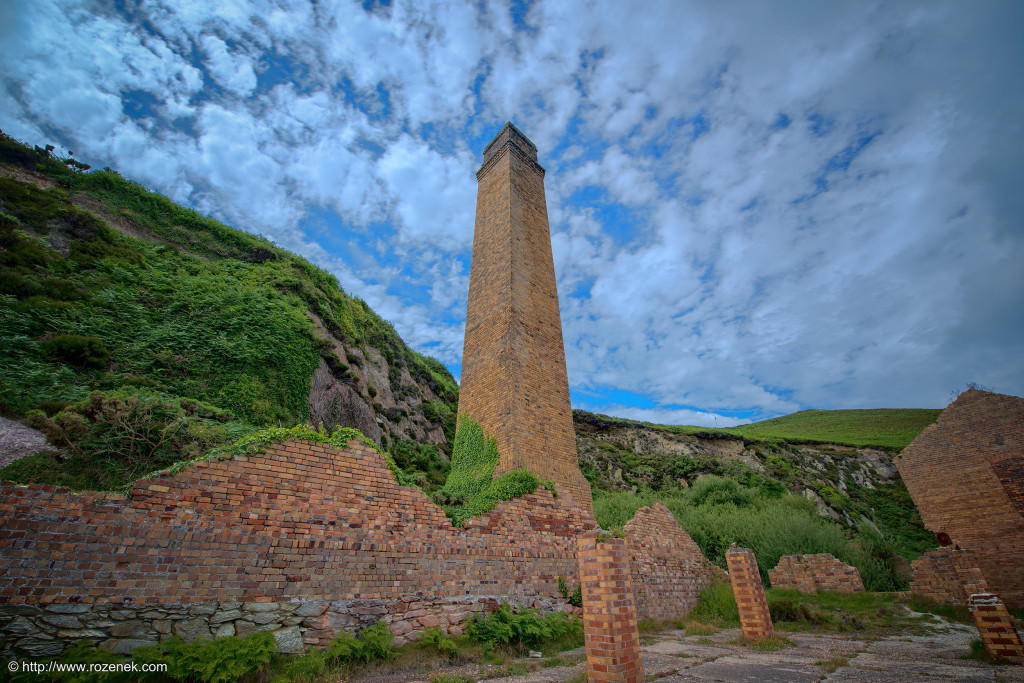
[[380, 399], [848, 484]]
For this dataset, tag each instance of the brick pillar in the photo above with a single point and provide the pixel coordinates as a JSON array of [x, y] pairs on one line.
[[996, 627], [609, 612], [749, 591]]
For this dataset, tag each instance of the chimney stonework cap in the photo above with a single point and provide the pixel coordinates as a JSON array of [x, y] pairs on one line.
[[510, 135]]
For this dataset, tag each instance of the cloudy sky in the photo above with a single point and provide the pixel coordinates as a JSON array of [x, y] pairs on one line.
[[756, 207]]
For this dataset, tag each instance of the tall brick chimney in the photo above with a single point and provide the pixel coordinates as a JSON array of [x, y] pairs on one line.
[[514, 381]]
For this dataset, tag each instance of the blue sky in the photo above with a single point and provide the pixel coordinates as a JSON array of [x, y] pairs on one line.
[[755, 207]]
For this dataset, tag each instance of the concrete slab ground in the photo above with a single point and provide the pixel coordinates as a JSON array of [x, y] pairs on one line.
[[672, 656]]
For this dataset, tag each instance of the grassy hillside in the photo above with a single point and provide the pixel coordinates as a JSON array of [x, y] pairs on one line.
[[137, 333], [891, 429], [803, 483]]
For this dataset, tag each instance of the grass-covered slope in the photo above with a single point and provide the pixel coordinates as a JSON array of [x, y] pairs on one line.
[[136, 333], [891, 429]]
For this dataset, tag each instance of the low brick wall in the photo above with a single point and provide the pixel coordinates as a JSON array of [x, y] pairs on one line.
[[812, 573], [755, 618], [995, 626], [263, 542], [947, 575], [668, 569], [609, 611], [303, 540]]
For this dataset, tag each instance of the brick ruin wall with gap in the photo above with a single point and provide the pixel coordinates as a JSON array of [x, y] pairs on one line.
[[943, 575], [812, 573], [668, 570], [966, 476], [302, 540]]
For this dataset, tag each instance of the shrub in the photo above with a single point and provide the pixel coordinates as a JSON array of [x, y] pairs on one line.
[[77, 349], [576, 597], [521, 630], [470, 489], [434, 637], [717, 605], [211, 661]]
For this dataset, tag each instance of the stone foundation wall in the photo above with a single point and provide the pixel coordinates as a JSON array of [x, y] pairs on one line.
[[43, 630], [263, 543], [812, 573], [668, 570]]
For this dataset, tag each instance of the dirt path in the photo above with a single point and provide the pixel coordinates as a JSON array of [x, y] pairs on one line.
[[17, 441]]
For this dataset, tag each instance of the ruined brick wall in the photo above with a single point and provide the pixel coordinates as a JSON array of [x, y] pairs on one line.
[[303, 540], [668, 569], [514, 381], [965, 475], [812, 573], [944, 575]]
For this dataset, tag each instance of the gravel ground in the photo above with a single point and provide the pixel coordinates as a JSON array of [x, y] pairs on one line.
[[17, 441]]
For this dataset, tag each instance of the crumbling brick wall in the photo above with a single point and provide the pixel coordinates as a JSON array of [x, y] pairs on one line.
[[323, 538], [812, 573], [668, 569], [965, 475], [947, 575]]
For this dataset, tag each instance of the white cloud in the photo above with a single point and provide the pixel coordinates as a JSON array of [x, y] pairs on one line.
[[231, 70], [672, 416], [434, 194], [866, 254]]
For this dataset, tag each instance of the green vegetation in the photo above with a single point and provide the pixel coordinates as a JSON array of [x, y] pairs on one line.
[[792, 611], [575, 597], [492, 638], [770, 643], [195, 313], [716, 609], [890, 429], [345, 651], [525, 629], [221, 660], [471, 489], [717, 512]]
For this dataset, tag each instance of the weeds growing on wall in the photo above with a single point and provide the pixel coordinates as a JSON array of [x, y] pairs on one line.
[[471, 489], [717, 512]]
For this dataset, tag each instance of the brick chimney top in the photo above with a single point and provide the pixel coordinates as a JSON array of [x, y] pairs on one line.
[[510, 135]]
